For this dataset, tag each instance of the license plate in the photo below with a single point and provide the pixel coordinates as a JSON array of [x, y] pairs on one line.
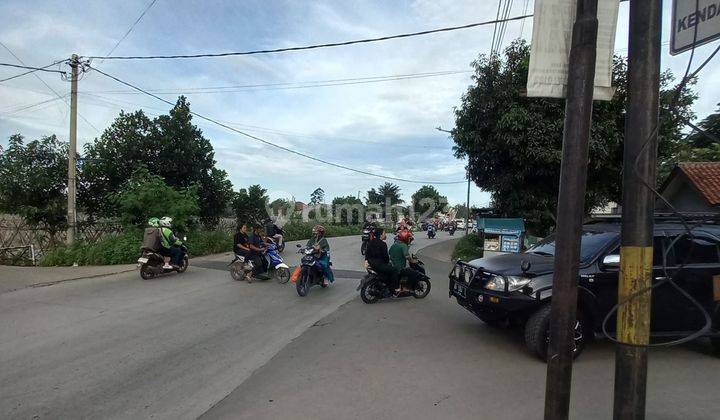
[[142, 260], [460, 289]]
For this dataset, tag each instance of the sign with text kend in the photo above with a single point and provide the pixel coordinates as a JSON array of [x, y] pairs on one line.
[[694, 22], [550, 50]]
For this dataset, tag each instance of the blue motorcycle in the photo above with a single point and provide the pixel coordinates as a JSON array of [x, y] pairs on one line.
[[431, 231], [276, 267]]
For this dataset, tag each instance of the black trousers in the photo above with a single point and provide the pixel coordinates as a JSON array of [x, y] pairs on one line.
[[388, 273], [411, 275]]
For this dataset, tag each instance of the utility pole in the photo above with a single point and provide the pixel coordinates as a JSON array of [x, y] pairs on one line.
[[467, 203], [636, 243], [72, 152], [570, 209]]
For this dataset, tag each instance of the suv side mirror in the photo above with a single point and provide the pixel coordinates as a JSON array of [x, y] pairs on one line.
[[611, 260], [297, 245]]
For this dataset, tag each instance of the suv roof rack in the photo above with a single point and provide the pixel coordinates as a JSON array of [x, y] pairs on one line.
[[662, 217]]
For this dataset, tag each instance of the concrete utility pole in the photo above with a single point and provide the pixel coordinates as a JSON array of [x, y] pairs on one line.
[[72, 152], [467, 203], [570, 209], [636, 246]]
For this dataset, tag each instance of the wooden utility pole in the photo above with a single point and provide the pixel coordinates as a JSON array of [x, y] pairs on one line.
[[72, 152], [467, 203], [570, 209], [636, 246]]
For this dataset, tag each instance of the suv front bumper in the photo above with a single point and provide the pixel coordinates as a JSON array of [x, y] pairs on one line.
[[489, 305]]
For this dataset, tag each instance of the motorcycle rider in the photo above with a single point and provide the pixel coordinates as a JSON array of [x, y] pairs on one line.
[[400, 257], [368, 225], [170, 245], [377, 258], [257, 247], [273, 231], [321, 245]]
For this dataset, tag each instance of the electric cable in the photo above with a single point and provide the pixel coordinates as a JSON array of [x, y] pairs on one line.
[[306, 47], [269, 143], [32, 71], [151, 4]]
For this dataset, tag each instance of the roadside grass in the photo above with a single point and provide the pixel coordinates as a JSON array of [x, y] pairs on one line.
[[125, 248], [468, 248]]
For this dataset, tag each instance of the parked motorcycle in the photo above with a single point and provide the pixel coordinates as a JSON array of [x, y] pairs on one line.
[[431, 232], [151, 263], [365, 240], [311, 273], [372, 287]]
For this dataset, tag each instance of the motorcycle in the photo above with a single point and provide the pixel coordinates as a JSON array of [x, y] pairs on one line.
[[281, 239], [431, 232], [241, 268], [311, 274], [372, 287], [365, 240], [151, 263], [451, 230]]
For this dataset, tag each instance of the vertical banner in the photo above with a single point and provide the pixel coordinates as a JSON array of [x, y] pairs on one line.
[[550, 49]]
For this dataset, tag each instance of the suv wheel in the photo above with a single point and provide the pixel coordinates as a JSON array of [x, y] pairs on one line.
[[537, 333]]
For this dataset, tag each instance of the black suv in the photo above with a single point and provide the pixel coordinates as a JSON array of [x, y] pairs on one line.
[[516, 289]]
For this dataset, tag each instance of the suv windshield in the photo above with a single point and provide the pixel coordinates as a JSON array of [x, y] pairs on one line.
[[592, 243]]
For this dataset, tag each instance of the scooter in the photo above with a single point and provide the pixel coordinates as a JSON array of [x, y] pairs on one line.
[[311, 274], [151, 263], [431, 232], [372, 287], [276, 267], [241, 268], [451, 230]]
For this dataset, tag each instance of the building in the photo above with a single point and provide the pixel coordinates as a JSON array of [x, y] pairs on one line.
[[692, 187]]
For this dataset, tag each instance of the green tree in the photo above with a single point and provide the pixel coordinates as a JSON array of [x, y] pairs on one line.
[[513, 143], [347, 210], [250, 205], [170, 146], [427, 200], [145, 195], [386, 190], [702, 147], [317, 196], [33, 181]]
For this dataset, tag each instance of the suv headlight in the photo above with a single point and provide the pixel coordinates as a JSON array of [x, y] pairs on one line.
[[516, 283], [457, 272], [496, 283], [468, 274]]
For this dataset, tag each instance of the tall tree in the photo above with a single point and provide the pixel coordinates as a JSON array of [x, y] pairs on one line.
[[427, 200], [704, 147], [386, 190], [514, 143], [33, 181], [170, 146], [347, 210], [317, 196], [250, 205]]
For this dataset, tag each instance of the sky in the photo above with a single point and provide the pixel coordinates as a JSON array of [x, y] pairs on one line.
[[386, 128]]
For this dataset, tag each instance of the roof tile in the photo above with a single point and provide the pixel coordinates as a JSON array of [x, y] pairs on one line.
[[706, 178]]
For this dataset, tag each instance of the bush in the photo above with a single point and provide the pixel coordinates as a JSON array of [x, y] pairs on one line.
[[125, 249], [468, 248]]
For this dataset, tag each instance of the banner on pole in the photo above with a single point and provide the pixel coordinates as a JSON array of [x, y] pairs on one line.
[[550, 50]]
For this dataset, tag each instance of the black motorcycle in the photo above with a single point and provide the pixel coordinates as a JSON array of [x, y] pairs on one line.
[[151, 263], [311, 273], [373, 287], [365, 240], [451, 230], [431, 232]]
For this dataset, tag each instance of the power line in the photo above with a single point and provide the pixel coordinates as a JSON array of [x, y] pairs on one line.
[[291, 85], [33, 71], [49, 87], [216, 122], [307, 47], [151, 4], [18, 108]]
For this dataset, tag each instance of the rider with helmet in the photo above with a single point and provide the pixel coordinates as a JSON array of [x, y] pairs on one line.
[[376, 256], [321, 245], [400, 257], [170, 245]]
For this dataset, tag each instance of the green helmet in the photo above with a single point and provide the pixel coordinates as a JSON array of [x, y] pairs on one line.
[[154, 222]]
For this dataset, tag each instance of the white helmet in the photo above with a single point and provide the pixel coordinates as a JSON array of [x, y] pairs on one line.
[[165, 222]]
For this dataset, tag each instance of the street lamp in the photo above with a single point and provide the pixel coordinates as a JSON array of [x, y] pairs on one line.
[[467, 174]]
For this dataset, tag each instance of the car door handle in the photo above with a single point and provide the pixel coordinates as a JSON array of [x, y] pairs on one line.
[[660, 278]]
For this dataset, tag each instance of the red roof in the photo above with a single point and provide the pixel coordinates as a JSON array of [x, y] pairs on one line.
[[705, 176]]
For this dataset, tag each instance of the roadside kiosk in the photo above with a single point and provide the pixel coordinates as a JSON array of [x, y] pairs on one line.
[[510, 233]]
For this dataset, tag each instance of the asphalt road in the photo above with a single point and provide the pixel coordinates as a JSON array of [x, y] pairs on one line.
[[431, 359], [173, 347]]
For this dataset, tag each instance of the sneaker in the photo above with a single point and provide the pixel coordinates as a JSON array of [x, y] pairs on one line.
[[167, 267], [325, 283]]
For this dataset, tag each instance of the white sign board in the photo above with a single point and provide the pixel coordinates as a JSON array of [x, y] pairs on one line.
[[689, 16], [550, 49]]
